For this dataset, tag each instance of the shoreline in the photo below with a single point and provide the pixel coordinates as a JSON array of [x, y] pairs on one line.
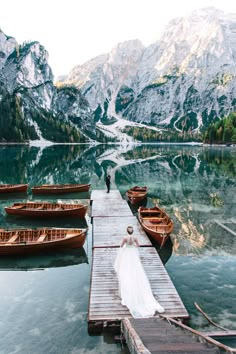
[[118, 143]]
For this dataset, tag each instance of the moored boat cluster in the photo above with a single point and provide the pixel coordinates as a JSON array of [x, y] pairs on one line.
[[154, 221], [28, 241]]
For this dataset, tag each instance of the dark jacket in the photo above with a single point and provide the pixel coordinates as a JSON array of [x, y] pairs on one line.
[[108, 180]]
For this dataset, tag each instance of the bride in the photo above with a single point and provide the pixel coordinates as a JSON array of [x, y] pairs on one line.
[[134, 287]]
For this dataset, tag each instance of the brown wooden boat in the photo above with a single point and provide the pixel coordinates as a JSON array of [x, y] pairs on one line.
[[60, 188], [156, 223], [136, 194], [28, 241], [41, 209], [13, 188]]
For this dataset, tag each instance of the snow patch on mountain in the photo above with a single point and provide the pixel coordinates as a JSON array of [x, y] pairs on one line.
[[41, 141], [115, 130]]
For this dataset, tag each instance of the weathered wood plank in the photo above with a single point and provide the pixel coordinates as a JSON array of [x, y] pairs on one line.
[[102, 195], [116, 208], [116, 308], [110, 216], [104, 283], [108, 317], [110, 300], [229, 333], [158, 336], [109, 204], [108, 297], [102, 223], [109, 232]]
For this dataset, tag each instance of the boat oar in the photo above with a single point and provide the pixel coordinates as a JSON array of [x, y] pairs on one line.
[[208, 319]]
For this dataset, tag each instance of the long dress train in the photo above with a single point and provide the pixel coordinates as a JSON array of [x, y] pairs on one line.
[[134, 287]]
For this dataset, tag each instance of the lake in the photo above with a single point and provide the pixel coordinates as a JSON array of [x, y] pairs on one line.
[[44, 299]]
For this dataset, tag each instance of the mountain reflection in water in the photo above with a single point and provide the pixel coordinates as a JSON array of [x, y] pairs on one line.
[[195, 185]]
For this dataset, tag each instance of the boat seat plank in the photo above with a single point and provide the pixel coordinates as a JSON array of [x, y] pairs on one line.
[[59, 208], [13, 238], [152, 218], [40, 207], [71, 234], [18, 206], [42, 237]]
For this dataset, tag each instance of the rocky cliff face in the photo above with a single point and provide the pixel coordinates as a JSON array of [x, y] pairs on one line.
[[7, 46], [103, 78], [46, 113], [184, 80]]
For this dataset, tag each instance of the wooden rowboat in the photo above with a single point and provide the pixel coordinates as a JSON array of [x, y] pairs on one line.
[[156, 223], [28, 241], [41, 209], [13, 188], [136, 194], [60, 188]]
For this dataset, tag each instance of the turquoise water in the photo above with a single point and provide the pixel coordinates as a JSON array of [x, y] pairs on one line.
[[44, 299]]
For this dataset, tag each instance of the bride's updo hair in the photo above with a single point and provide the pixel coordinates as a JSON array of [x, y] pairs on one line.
[[130, 230]]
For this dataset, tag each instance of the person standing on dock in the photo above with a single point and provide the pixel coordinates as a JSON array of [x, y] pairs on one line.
[[134, 287], [108, 183]]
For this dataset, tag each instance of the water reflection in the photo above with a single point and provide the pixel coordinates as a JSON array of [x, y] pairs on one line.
[[134, 207], [13, 221], [42, 261], [166, 251], [182, 179], [13, 196], [198, 256]]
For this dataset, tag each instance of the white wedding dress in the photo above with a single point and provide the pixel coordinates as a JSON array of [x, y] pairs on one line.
[[134, 287]]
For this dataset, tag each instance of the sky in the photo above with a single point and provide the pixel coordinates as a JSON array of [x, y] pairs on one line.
[[74, 31]]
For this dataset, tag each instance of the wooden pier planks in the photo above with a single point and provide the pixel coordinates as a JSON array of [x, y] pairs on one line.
[[104, 301], [156, 335], [108, 232], [102, 196], [109, 204], [110, 216], [118, 209]]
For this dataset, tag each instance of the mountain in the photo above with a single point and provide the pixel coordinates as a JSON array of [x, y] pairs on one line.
[[102, 79], [169, 90], [182, 82], [31, 107]]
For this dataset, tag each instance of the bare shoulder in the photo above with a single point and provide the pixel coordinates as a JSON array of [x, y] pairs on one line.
[[124, 240]]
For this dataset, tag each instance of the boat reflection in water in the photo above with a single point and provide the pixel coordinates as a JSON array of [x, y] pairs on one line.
[[134, 207], [14, 221], [13, 196], [47, 260], [164, 252]]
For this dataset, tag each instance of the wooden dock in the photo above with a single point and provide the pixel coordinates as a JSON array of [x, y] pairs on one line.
[[110, 216], [157, 336], [109, 204]]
